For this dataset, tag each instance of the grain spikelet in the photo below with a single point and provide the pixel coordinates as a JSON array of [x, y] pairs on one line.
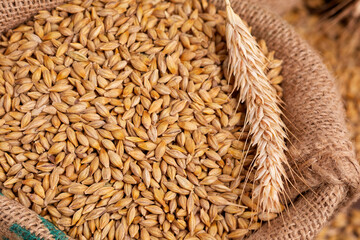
[[246, 64]]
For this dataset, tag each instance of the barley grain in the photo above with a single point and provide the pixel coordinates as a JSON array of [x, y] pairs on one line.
[[117, 122]]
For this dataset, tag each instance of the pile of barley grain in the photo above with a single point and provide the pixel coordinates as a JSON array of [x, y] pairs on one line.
[[117, 122]]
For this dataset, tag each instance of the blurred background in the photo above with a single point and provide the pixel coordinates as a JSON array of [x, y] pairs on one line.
[[332, 27]]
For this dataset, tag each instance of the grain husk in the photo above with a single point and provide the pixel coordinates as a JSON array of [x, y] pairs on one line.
[[310, 127], [119, 139]]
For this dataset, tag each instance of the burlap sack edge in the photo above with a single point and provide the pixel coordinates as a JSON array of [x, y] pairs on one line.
[[15, 12], [338, 191], [18, 223]]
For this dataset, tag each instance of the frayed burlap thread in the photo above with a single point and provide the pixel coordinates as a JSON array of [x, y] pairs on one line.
[[320, 148]]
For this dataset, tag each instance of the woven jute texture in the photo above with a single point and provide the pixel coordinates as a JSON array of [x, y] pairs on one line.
[[17, 223], [320, 149], [277, 6], [14, 12]]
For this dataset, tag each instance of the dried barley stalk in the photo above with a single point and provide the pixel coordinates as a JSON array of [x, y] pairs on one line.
[[246, 64]]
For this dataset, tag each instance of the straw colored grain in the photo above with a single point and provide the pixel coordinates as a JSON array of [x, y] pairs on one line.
[[117, 121]]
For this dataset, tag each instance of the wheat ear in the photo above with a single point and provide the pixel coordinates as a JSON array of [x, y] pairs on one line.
[[246, 64]]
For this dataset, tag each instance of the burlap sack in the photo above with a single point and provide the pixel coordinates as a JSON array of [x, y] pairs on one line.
[[18, 223], [320, 148]]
